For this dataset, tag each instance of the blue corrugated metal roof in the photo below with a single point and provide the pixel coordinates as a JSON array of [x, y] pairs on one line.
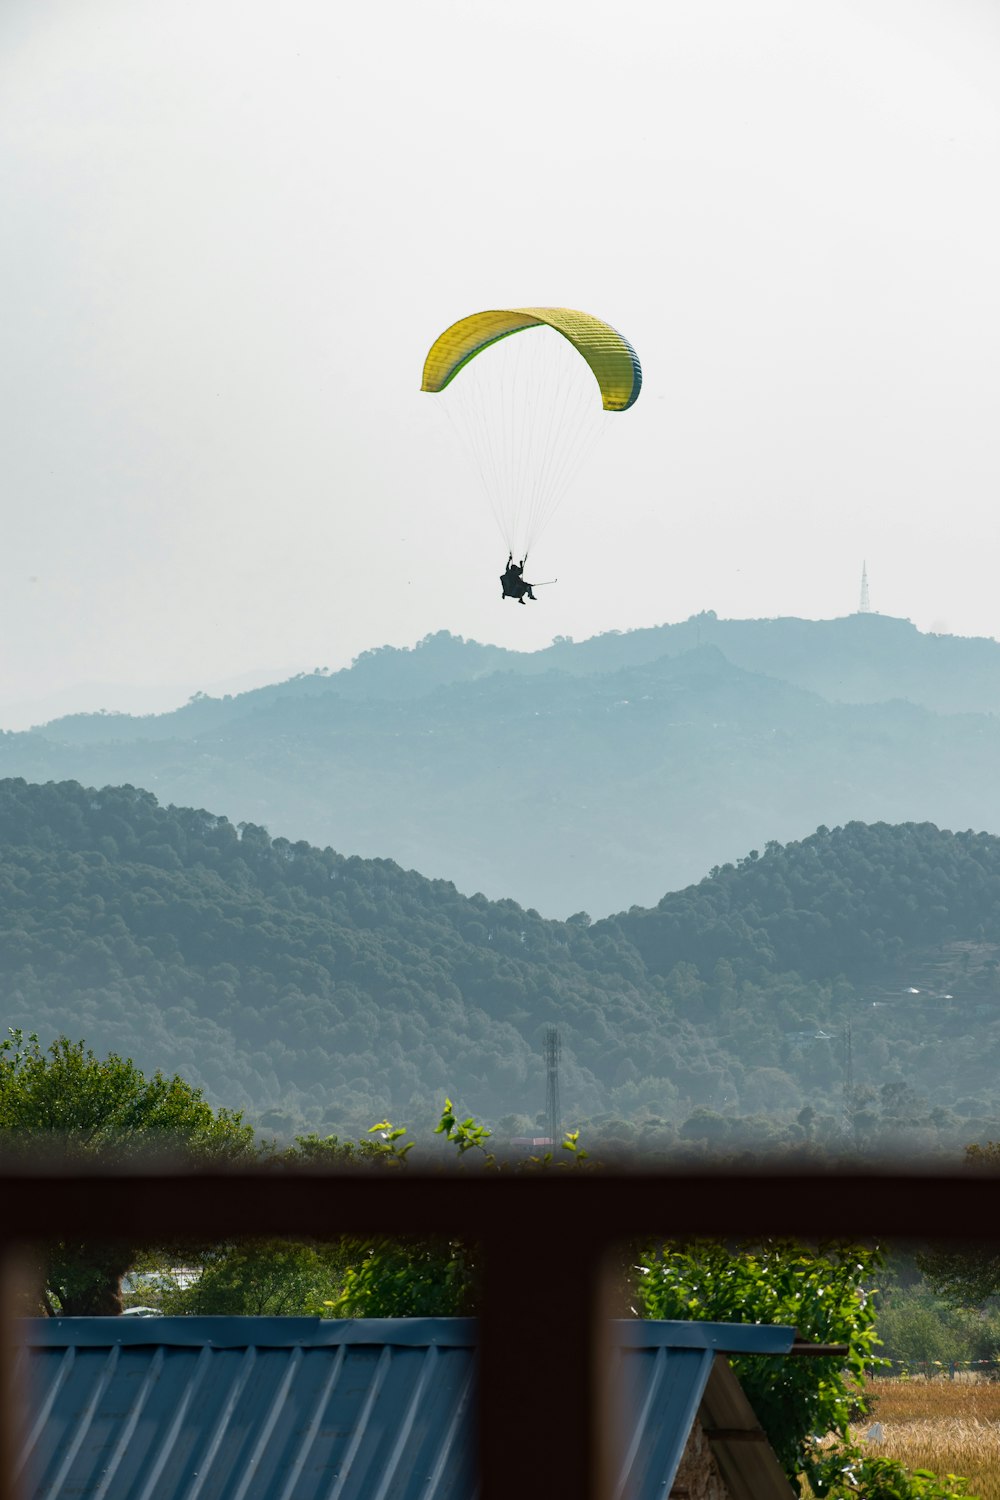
[[250, 1409], [263, 1333], [298, 1408], [659, 1374], [657, 1393]]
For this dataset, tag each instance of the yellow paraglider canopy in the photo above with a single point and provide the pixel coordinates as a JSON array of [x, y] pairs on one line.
[[613, 360]]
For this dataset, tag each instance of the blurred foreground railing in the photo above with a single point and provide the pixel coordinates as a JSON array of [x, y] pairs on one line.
[[546, 1243]]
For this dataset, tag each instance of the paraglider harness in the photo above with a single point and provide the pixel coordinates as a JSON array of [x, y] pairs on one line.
[[512, 582]]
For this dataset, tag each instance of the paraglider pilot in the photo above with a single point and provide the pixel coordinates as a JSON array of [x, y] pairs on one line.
[[512, 581]]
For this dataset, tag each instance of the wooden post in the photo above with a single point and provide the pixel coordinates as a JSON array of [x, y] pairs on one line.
[[12, 1408]]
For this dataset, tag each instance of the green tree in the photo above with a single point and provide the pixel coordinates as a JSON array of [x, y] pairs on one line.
[[256, 1278], [915, 1327], [64, 1104], [966, 1275], [856, 1475], [271, 1277], [409, 1278], [818, 1291]]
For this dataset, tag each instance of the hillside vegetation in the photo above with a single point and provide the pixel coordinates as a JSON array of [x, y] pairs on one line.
[[334, 990], [587, 776]]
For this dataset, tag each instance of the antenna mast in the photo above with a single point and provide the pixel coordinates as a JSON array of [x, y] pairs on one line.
[[864, 608], [552, 1050]]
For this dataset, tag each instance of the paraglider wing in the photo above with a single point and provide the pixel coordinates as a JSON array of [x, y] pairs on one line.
[[610, 356], [527, 414]]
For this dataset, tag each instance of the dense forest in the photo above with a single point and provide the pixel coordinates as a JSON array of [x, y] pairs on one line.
[[590, 775], [324, 990]]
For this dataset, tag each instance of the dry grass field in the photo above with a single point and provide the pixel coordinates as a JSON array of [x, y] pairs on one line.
[[950, 1426]]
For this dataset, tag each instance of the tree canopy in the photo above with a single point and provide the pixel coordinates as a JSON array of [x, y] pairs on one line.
[[66, 1103], [818, 1291], [318, 991], [966, 1276]]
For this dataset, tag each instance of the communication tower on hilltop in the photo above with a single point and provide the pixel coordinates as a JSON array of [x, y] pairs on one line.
[[552, 1087], [864, 608]]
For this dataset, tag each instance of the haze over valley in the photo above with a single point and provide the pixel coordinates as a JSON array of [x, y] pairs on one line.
[[586, 776]]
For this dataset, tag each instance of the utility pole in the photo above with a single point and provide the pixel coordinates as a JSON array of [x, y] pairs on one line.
[[864, 608], [552, 1087]]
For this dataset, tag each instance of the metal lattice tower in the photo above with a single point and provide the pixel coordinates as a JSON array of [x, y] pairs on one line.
[[848, 1080], [552, 1087], [864, 608]]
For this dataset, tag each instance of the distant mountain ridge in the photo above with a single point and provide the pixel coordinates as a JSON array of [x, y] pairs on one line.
[[857, 658], [590, 775]]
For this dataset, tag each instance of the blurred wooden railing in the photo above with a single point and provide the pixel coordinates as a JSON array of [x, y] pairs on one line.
[[545, 1241]]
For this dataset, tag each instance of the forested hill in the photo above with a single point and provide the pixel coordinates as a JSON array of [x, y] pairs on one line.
[[336, 990], [564, 789], [855, 901]]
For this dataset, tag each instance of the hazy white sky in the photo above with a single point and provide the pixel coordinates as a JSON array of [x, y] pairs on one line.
[[231, 229]]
